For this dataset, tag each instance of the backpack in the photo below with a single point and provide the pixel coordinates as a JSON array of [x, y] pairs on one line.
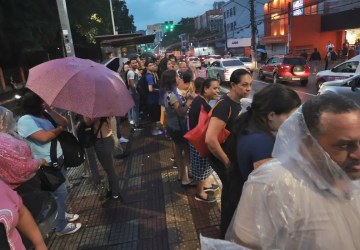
[[73, 151], [86, 135], [333, 56], [143, 89]]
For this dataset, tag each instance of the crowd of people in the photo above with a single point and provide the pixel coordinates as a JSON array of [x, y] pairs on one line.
[[289, 172]]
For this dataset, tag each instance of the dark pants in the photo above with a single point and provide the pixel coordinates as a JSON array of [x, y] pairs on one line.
[[104, 150], [326, 64], [154, 111], [230, 194]]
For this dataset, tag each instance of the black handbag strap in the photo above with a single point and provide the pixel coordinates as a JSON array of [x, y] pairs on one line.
[[53, 147], [49, 117]]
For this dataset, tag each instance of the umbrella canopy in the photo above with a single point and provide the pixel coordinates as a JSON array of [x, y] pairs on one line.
[[81, 86]]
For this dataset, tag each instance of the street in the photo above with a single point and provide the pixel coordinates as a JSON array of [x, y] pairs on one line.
[[304, 92]]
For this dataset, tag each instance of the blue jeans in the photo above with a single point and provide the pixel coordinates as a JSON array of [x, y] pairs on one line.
[[118, 128], [60, 196], [135, 111]]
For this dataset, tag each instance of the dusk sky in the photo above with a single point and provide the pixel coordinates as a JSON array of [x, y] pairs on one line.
[[157, 11]]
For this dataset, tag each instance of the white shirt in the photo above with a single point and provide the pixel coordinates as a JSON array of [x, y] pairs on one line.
[[289, 208]]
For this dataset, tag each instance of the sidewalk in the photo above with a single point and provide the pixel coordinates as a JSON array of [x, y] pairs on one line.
[[157, 212]]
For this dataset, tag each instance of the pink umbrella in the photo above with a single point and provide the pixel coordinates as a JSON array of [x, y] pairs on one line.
[[81, 86]]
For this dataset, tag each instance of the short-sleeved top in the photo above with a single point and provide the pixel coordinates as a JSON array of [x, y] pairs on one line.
[[132, 75], [28, 125], [252, 148], [172, 118], [153, 97], [194, 111], [9, 215], [223, 109]]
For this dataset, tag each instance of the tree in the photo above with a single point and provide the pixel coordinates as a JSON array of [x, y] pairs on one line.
[[27, 28], [123, 21]]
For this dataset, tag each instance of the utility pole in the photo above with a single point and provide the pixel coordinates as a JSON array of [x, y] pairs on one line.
[[289, 28], [253, 32], [112, 17], [65, 27], [226, 47]]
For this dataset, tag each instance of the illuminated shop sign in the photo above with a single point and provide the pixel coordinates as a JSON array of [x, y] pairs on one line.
[[298, 8]]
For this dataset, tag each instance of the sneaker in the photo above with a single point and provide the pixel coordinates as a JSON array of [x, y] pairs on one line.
[[213, 187], [71, 217], [137, 128], [157, 132], [123, 140], [69, 229], [172, 158], [210, 198], [131, 122]]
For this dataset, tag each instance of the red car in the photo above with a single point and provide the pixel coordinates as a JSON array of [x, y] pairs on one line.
[[289, 68]]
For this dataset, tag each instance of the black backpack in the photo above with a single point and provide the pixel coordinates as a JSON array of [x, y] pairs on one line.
[[143, 89], [73, 151], [86, 135]]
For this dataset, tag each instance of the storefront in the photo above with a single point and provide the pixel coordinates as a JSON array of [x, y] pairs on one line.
[[239, 47]]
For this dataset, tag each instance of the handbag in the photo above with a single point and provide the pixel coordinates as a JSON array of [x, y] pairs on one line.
[[51, 177], [196, 136], [86, 135]]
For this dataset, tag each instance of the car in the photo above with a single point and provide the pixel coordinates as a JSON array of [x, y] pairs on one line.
[[288, 68], [247, 61], [210, 59], [202, 58], [343, 70], [349, 87], [194, 61], [222, 69]]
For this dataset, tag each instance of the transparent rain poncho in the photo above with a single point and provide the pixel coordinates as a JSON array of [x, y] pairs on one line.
[[16, 162], [301, 199]]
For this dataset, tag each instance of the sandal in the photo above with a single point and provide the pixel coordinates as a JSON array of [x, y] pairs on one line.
[[210, 198]]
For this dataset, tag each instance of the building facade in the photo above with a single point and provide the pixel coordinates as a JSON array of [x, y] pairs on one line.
[[311, 24], [157, 30], [236, 14], [211, 19]]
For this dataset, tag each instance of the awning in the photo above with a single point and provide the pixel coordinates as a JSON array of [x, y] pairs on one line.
[[124, 40], [341, 20]]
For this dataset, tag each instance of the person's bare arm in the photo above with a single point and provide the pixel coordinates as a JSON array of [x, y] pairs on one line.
[[46, 136], [211, 139], [28, 227], [61, 119], [132, 84]]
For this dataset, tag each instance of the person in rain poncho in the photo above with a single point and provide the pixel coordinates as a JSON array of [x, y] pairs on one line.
[[308, 197], [16, 166]]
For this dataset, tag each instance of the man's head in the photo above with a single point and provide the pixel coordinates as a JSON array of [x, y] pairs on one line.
[[241, 83], [315, 49], [183, 67], [133, 63], [150, 66], [334, 121]]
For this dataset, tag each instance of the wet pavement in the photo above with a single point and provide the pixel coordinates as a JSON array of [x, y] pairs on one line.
[[157, 213]]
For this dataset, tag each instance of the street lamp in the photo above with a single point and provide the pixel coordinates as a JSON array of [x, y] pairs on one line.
[[112, 17]]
